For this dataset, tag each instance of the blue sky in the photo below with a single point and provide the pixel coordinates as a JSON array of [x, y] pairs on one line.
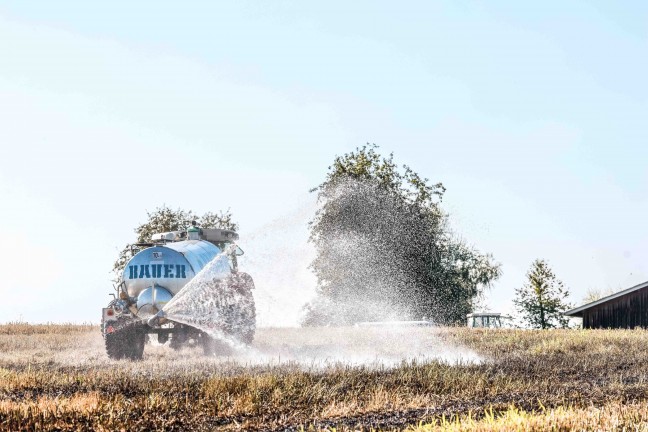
[[532, 115]]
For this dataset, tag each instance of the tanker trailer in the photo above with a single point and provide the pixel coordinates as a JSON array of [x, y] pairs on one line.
[[157, 273]]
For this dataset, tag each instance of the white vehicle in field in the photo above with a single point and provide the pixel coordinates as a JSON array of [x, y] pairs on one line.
[[488, 320]]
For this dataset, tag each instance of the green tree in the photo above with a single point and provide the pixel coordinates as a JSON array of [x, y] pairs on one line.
[[542, 300], [384, 248], [164, 219]]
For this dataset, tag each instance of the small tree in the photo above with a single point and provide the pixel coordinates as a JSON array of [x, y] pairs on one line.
[[164, 219], [543, 299]]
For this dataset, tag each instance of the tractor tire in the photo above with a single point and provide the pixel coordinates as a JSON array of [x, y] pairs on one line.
[[115, 347], [176, 344], [136, 336], [179, 338], [126, 340]]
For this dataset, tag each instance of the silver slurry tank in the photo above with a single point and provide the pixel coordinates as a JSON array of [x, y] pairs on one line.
[[157, 273]]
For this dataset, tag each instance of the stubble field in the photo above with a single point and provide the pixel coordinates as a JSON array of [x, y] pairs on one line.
[[57, 377]]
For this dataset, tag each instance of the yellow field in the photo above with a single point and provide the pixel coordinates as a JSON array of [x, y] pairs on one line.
[[57, 377]]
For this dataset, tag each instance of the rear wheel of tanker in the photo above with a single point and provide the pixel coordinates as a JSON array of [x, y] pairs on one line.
[[113, 347], [113, 340], [136, 339], [124, 340], [176, 343], [179, 337]]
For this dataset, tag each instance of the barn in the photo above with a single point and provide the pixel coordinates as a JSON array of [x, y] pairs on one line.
[[624, 309]]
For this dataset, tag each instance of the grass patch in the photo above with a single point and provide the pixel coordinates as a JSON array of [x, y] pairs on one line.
[[610, 417]]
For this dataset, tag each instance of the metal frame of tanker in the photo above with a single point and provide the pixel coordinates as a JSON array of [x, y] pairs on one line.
[[149, 281]]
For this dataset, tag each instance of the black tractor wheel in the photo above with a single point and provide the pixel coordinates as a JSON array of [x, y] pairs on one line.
[[179, 337], [124, 340], [136, 336]]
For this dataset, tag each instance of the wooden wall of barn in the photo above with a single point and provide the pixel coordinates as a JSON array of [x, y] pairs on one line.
[[628, 311]]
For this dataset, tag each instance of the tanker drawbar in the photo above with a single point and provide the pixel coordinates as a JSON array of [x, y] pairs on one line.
[[158, 272]]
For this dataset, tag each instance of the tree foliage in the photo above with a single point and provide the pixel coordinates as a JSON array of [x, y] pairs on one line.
[[593, 294], [542, 300], [164, 219], [384, 249]]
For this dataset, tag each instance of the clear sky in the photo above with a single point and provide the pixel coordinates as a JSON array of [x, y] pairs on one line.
[[533, 114]]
